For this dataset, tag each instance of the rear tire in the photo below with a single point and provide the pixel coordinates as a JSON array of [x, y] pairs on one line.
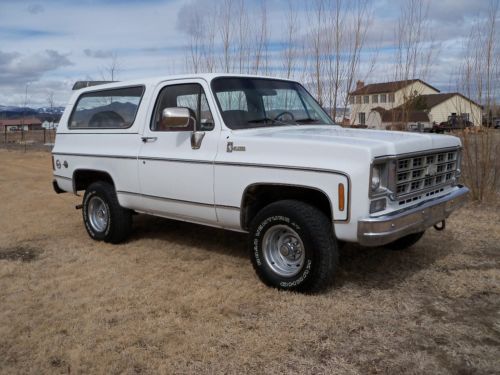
[[104, 218], [292, 247], [405, 242]]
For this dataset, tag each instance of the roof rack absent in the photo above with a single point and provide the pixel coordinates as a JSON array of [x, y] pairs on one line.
[[82, 84]]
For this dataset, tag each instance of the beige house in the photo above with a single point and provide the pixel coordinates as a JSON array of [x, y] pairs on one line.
[[407, 103]]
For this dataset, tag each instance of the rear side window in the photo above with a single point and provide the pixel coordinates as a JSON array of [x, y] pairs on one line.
[[106, 109]]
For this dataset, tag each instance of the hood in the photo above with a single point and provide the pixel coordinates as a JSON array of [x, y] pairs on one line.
[[376, 142]]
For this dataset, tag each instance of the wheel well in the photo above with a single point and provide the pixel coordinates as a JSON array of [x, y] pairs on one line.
[[256, 197], [82, 178]]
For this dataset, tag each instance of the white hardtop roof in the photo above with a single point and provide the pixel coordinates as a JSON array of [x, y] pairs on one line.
[[151, 81]]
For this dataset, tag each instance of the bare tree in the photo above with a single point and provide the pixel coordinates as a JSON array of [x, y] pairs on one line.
[[415, 48], [195, 29], [290, 51], [355, 31], [226, 33], [334, 45], [479, 77], [243, 33], [261, 42], [110, 71], [210, 31], [316, 40], [50, 102]]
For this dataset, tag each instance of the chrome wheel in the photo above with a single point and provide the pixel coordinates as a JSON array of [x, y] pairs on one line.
[[98, 214], [283, 250]]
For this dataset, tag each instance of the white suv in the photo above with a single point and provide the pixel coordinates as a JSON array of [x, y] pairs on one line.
[[251, 154]]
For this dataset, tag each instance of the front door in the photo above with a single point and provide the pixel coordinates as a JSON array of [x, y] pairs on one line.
[[177, 180]]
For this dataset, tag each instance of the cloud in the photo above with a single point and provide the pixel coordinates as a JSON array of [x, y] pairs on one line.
[[16, 68], [98, 53], [35, 8]]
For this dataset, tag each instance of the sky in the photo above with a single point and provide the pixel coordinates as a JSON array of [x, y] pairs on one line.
[[45, 46]]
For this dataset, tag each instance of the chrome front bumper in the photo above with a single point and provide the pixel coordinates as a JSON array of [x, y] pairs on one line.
[[381, 230]]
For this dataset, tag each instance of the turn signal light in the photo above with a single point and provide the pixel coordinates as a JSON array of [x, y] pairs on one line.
[[341, 197]]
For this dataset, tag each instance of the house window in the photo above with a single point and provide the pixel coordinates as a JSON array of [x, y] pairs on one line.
[[465, 116], [351, 100], [374, 98], [358, 99], [366, 99], [383, 98], [362, 118], [391, 98]]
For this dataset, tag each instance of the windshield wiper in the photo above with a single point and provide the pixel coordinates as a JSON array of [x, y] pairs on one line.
[[306, 120], [267, 119]]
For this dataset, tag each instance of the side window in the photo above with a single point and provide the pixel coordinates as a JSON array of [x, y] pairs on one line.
[[190, 96], [106, 109]]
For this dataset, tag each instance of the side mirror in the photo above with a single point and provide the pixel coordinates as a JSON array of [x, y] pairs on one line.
[[177, 117]]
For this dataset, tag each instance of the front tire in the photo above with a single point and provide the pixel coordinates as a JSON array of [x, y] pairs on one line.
[[292, 247], [104, 218]]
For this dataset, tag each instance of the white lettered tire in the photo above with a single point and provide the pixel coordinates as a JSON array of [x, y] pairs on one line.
[[293, 247]]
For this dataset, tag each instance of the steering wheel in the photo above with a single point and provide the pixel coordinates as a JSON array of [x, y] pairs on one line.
[[292, 117]]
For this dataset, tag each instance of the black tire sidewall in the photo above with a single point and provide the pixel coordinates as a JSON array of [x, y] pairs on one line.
[[90, 193], [258, 258]]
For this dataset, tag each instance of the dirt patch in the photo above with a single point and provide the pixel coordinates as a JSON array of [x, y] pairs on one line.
[[20, 253]]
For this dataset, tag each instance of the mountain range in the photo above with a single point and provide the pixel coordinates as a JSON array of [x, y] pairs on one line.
[[8, 112]]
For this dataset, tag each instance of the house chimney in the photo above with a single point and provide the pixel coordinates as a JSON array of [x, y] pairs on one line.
[[359, 84]]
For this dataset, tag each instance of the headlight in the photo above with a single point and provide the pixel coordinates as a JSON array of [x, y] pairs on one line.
[[379, 179], [375, 178]]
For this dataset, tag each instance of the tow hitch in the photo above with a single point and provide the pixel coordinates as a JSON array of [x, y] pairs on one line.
[[440, 226]]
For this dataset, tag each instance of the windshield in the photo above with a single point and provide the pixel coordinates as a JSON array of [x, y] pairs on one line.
[[256, 102]]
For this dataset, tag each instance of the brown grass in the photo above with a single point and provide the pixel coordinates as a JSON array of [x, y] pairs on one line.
[[181, 298]]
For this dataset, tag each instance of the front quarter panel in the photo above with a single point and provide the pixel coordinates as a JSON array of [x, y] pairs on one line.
[[276, 162]]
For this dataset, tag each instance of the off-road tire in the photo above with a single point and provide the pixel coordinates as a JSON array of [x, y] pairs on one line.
[[316, 233], [119, 224], [405, 242]]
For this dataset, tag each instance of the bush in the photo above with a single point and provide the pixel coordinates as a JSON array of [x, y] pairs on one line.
[[480, 162]]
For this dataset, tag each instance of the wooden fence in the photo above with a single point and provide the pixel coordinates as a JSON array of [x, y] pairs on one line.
[[28, 137]]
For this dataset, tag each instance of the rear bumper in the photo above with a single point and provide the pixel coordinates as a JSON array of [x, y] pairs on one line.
[[377, 231]]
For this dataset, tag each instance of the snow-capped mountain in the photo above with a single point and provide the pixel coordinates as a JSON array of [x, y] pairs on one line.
[[15, 112]]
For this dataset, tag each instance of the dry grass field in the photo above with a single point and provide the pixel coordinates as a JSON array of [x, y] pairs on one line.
[[181, 298]]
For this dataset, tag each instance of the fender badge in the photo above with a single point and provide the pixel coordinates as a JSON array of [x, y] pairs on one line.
[[230, 147]]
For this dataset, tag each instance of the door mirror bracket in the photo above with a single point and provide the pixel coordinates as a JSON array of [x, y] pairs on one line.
[[196, 139]]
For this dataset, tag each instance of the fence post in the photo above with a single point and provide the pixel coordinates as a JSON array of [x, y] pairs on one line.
[[44, 135]]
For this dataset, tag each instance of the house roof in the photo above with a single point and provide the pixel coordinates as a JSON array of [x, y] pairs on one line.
[[21, 121], [387, 87], [432, 100]]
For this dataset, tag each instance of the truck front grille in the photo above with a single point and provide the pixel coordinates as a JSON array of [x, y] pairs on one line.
[[424, 173]]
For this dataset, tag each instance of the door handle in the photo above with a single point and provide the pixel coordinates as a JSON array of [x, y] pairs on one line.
[[149, 139]]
